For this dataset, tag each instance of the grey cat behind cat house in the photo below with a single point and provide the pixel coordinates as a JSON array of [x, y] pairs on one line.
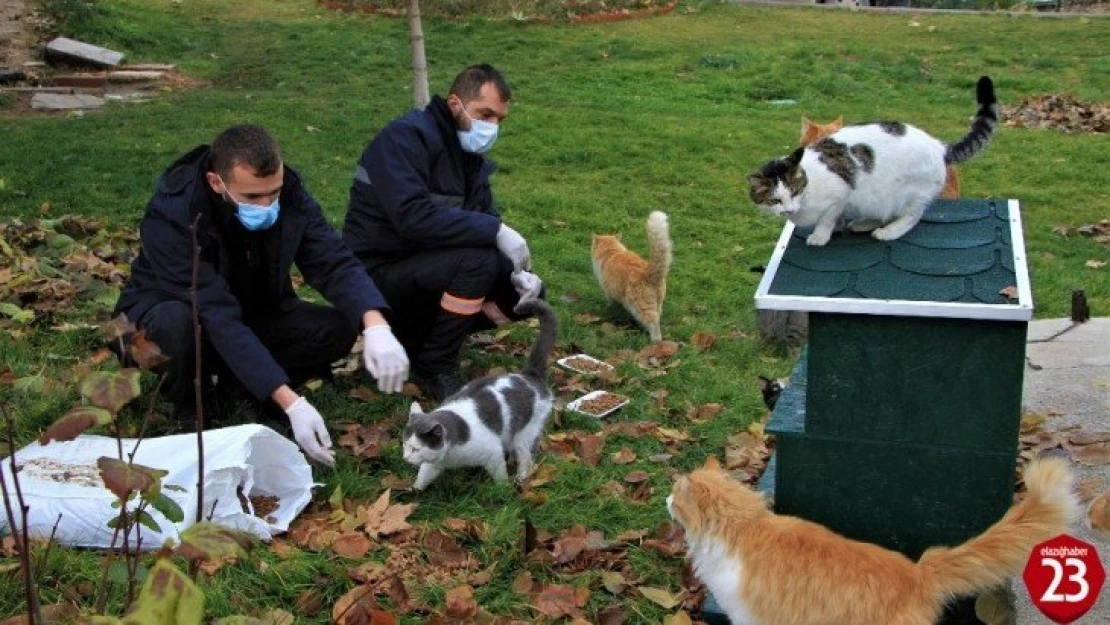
[[786, 327]]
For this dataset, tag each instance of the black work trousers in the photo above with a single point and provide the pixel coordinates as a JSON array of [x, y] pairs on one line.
[[303, 338], [436, 298]]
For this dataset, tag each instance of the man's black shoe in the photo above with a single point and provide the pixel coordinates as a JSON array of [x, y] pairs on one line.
[[438, 386]]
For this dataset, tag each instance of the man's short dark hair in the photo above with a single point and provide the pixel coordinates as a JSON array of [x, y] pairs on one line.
[[247, 145], [468, 84]]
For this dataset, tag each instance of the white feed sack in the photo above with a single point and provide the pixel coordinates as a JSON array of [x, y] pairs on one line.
[[250, 460]]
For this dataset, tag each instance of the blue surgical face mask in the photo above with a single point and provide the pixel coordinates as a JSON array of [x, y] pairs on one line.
[[479, 139], [253, 216]]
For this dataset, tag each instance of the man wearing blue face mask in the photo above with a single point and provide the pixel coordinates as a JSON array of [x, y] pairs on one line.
[[254, 221], [421, 218]]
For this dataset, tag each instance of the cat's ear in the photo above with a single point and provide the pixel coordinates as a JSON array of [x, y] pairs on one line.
[[806, 125], [755, 180], [764, 383], [838, 122], [415, 409], [712, 464], [795, 157]]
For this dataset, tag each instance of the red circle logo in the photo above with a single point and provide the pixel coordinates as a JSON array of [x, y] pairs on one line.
[[1064, 577]]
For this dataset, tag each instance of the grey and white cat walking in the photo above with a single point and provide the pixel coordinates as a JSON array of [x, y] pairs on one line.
[[489, 417], [881, 175]]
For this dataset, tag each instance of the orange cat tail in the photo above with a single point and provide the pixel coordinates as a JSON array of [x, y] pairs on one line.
[[659, 240], [1000, 552]]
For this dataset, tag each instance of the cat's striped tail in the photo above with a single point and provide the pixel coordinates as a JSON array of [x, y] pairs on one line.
[[982, 127], [1000, 552], [545, 342]]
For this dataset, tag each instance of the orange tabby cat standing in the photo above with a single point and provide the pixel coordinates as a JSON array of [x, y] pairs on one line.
[[766, 569], [639, 285], [812, 131]]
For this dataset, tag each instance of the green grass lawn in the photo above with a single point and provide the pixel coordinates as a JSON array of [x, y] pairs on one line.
[[608, 123]]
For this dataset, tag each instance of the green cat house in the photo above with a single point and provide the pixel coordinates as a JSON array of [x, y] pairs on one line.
[[900, 422]]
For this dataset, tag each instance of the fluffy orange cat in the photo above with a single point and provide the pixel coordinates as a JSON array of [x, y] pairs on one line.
[[639, 285], [812, 131], [766, 569]]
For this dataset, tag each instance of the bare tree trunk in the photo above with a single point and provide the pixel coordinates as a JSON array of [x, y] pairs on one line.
[[419, 61]]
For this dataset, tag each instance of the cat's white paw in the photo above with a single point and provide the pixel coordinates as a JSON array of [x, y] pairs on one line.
[[885, 234], [818, 238]]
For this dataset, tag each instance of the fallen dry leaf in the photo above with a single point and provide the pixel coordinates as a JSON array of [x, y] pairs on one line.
[[557, 601], [442, 551], [359, 607], [682, 617], [659, 596], [1059, 111], [461, 604], [624, 456], [361, 393], [665, 434], [309, 602], [352, 545], [395, 482], [635, 477], [383, 519], [364, 441], [614, 582], [703, 340], [523, 584], [1095, 264], [543, 474], [1009, 292], [612, 615], [589, 449]]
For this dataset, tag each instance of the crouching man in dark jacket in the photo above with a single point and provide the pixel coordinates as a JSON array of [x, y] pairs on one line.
[[255, 220], [421, 219]]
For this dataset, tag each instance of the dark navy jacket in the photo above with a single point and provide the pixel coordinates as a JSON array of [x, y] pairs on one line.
[[164, 269], [415, 189]]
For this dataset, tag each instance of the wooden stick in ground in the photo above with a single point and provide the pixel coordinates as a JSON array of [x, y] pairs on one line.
[[34, 612], [198, 393]]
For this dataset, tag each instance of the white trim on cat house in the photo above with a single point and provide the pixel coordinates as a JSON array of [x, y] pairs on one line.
[[1022, 311]]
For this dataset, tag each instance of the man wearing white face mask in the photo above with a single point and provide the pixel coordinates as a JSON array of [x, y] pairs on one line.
[[254, 221], [421, 218]]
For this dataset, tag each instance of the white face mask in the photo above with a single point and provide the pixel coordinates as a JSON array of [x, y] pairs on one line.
[[479, 139]]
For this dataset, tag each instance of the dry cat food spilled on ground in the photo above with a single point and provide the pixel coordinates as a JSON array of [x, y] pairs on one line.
[[263, 505], [602, 403], [587, 365]]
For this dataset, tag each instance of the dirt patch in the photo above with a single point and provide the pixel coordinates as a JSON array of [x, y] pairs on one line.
[[1086, 6], [24, 29], [1060, 112], [20, 25]]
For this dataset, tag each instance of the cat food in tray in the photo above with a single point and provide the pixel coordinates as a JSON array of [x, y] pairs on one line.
[[584, 363], [598, 403]]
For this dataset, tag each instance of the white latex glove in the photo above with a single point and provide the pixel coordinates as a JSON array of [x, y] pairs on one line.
[[385, 358], [515, 247], [527, 285], [310, 432]]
